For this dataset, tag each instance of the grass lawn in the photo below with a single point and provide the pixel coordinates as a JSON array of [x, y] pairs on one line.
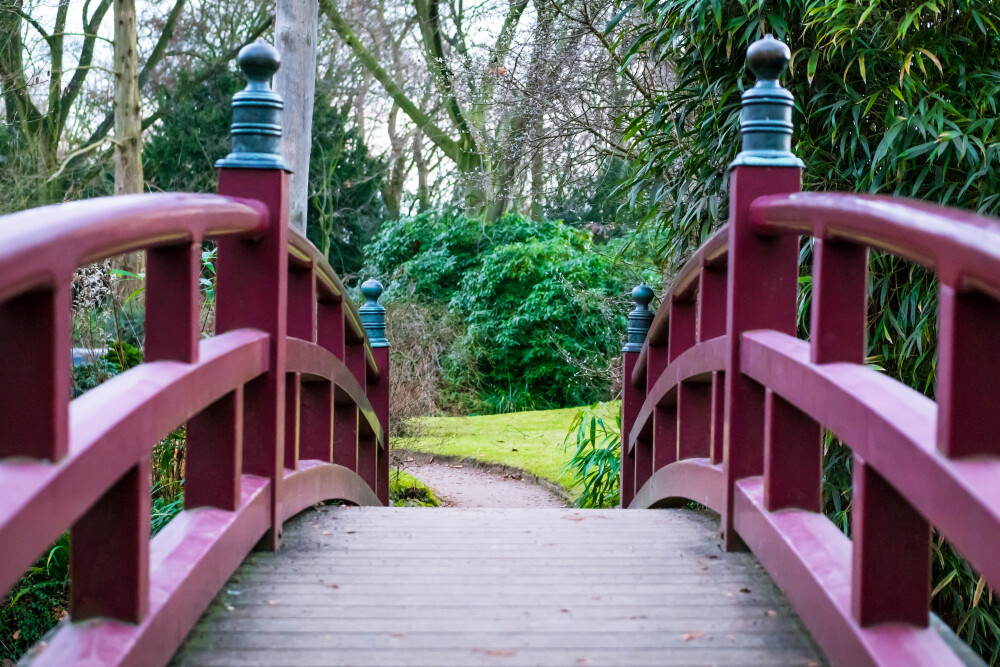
[[531, 441]]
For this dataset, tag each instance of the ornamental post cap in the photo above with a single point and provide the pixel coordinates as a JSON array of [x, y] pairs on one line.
[[766, 119], [767, 58], [373, 313], [259, 61], [256, 127], [640, 318], [642, 294]]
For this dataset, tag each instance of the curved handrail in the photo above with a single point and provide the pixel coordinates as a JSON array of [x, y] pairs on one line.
[[45, 246], [303, 253], [314, 360], [962, 247], [712, 253], [694, 363], [112, 428], [893, 428]]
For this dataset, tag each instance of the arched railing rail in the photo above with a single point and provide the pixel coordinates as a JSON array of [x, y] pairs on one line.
[[286, 405], [918, 462], [677, 382]]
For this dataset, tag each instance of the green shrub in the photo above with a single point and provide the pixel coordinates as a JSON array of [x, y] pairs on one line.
[[596, 462], [543, 306], [36, 603]]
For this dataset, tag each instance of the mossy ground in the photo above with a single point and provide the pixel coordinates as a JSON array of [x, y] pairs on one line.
[[531, 441], [405, 490]]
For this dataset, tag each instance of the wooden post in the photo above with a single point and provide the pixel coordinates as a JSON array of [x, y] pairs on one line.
[[763, 271], [373, 320], [632, 397], [252, 285]]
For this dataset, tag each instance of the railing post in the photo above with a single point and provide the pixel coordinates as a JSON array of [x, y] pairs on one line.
[[252, 284], [763, 271], [373, 320], [639, 464]]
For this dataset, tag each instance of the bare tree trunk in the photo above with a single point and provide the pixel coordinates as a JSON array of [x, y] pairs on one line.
[[128, 128], [423, 191], [128, 121], [295, 33], [392, 188]]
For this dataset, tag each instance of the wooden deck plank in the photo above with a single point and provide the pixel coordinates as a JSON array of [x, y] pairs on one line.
[[513, 587]]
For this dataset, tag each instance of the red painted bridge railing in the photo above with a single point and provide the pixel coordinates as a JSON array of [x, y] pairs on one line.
[[286, 406], [725, 406]]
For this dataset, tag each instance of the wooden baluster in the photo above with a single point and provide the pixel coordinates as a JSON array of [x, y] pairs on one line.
[[301, 324], [763, 271], [373, 319], [293, 404], [213, 455], [683, 326], [891, 570], [664, 438], [718, 430], [712, 292], [109, 563], [316, 420], [331, 335], [793, 442], [365, 439], [173, 289], [347, 416], [664, 435], [967, 371], [637, 466], [694, 420], [252, 283], [793, 457], [35, 364]]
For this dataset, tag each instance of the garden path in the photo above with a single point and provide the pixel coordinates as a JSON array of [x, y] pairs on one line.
[[464, 485]]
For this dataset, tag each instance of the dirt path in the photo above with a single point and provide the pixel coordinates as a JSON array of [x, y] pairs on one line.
[[459, 485]]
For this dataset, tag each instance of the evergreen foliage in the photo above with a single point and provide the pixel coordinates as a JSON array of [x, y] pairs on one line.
[[542, 304], [344, 206]]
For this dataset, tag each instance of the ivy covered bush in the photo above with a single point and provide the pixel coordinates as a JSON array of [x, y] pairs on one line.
[[541, 305]]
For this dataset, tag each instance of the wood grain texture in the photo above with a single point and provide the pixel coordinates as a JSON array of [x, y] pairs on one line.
[[402, 586]]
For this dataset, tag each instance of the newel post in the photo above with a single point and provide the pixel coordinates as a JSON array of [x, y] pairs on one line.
[[763, 271], [373, 320], [637, 464], [252, 285]]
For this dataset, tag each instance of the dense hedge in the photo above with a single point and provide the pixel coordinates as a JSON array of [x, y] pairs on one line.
[[542, 305]]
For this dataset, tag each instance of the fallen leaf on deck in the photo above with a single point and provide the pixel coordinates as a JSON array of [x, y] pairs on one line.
[[688, 636], [492, 651]]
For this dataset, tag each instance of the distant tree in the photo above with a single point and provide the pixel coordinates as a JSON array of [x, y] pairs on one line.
[[344, 206]]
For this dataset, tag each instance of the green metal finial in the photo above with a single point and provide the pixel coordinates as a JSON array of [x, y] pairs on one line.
[[373, 314], [766, 122], [639, 319], [256, 128]]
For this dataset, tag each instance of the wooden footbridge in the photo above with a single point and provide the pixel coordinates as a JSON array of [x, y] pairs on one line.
[[287, 405]]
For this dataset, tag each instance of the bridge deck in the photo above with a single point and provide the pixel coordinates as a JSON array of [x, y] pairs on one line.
[[513, 587]]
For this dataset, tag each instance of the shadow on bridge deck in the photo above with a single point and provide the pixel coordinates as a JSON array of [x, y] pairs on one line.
[[404, 586]]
